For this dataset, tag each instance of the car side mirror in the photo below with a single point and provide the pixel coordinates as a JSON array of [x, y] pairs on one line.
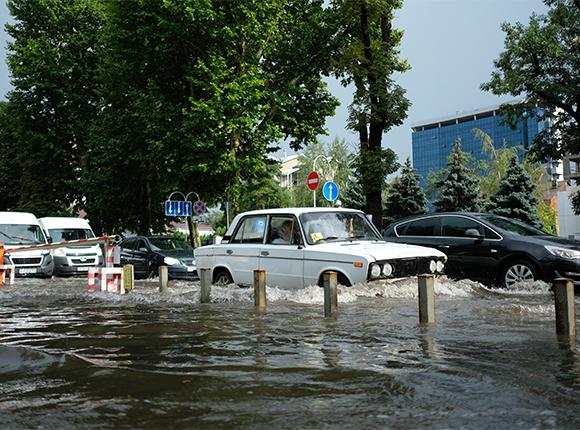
[[473, 233]]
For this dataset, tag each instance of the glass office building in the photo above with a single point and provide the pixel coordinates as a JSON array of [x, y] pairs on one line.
[[433, 140]]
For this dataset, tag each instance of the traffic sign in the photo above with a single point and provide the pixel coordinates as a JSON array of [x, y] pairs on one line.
[[199, 207], [177, 208], [330, 191], [313, 180]]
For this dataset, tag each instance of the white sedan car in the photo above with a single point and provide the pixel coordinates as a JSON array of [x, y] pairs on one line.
[[296, 246]]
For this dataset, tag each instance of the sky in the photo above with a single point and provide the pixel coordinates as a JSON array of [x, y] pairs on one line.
[[450, 45]]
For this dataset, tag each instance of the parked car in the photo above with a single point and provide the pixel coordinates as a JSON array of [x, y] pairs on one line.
[[74, 259], [147, 253], [489, 248], [19, 230], [297, 246]]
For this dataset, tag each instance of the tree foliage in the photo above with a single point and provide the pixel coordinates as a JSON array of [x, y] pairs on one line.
[[405, 196], [369, 60], [517, 195], [541, 62], [458, 188]]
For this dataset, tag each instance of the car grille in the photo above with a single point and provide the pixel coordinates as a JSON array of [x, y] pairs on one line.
[[410, 266], [82, 261], [25, 261]]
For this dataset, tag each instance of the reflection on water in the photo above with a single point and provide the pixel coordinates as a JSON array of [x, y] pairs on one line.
[[74, 359]]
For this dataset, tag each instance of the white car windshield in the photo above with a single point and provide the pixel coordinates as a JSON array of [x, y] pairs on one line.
[[21, 234], [66, 234], [321, 227]]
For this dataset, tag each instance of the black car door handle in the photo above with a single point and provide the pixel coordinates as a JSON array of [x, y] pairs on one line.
[[265, 253], [229, 252]]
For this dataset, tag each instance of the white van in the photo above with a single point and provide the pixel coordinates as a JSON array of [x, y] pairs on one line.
[[70, 260], [17, 230]]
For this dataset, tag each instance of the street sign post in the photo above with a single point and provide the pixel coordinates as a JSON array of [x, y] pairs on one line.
[[313, 180], [177, 208], [330, 191]]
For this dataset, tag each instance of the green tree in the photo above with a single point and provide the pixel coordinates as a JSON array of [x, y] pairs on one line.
[[458, 188], [368, 61], [53, 62], [9, 161], [265, 191], [517, 195], [405, 197], [541, 61]]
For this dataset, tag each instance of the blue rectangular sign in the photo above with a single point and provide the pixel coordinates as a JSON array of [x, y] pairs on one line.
[[177, 208]]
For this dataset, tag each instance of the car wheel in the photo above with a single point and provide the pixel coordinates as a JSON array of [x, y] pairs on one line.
[[340, 280], [518, 271], [222, 278]]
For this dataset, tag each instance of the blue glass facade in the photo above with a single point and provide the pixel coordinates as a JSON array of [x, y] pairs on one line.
[[433, 142]]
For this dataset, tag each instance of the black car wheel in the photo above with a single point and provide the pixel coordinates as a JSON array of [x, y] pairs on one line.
[[222, 278], [518, 271]]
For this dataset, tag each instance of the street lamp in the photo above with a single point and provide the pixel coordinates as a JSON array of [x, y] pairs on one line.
[[328, 161]]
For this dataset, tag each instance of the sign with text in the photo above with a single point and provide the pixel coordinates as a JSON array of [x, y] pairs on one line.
[[177, 208]]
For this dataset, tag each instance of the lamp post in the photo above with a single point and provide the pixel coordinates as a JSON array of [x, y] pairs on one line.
[[328, 160]]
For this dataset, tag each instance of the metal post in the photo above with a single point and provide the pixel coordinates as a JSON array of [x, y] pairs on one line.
[[260, 288], [163, 278], [330, 294], [426, 299], [205, 281], [128, 277], [565, 307]]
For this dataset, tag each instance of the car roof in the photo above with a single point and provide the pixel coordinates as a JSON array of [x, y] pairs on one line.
[[154, 236], [431, 214], [296, 211]]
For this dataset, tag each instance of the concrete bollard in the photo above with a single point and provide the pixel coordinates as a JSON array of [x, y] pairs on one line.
[[205, 281], [163, 278], [565, 307], [260, 288], [128, 277], [330, 285], [426, 285]]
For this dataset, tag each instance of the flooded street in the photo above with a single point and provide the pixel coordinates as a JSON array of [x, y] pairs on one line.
[[70, 358]]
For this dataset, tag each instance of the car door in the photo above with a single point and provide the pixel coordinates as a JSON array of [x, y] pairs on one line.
[[141, 258], [468, 256], [241, 254], [283, 257], [127, 247]]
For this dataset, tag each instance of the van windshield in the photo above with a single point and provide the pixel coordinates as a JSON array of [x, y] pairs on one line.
[[66, 234], [21, 234]]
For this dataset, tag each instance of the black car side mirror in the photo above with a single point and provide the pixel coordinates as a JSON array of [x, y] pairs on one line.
[[473, 233]]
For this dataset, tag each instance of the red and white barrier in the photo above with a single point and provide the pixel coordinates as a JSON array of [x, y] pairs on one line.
[[7, 279], [108, 278]]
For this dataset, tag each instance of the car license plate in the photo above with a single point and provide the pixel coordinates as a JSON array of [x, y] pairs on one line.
[[26, 270], [191, 269], [83, 269]]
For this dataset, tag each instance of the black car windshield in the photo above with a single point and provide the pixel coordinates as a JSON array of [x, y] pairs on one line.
[[21, 234], [337, 226], [513, 226], [168, 244]]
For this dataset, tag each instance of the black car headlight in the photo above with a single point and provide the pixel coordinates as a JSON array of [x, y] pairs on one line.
[[570, 254]]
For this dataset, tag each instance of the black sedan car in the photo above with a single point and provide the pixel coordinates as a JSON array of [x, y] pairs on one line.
[[489, 248], [147, 253]]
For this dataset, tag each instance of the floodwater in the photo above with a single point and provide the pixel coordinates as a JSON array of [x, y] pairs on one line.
[[70, 358]]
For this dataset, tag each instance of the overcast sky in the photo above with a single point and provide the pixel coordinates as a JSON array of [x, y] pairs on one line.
[[450, 44]]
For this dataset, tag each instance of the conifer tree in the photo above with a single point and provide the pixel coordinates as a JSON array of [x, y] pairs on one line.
[[406, 197], [517, 197], [459, 188]]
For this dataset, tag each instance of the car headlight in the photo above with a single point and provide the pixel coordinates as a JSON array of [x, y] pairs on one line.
[[387, 269], [170, 261], [440, 266], [570, 254], [432, 266], [375, 270]]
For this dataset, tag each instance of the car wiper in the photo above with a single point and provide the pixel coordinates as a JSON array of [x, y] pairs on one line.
[[328, 238]]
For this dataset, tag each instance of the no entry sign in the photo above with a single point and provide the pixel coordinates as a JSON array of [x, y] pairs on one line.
[[313, 180]]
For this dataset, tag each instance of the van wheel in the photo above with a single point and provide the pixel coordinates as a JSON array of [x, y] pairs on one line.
[[518, 271], [222, 278]]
